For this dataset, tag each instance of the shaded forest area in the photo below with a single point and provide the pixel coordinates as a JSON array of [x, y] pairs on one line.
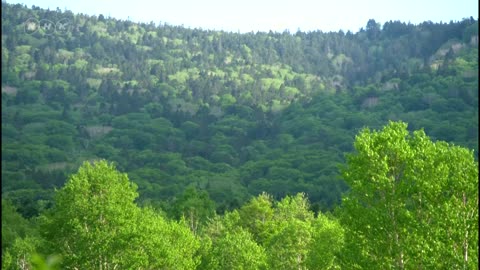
[[230, 114]]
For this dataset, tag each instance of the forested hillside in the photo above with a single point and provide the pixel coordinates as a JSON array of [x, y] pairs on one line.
[[213, 118], [233, 114]]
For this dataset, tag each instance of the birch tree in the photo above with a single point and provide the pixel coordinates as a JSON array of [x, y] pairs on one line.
[[413, 203]]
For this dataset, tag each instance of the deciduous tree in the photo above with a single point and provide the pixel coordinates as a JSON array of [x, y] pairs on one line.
[[96, 224], [413, 203]]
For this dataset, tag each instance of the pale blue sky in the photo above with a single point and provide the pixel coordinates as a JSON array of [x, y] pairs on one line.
[[265, 15]]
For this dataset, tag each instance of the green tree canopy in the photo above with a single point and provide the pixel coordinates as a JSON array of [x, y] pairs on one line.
[[96, 224], [413, 202]]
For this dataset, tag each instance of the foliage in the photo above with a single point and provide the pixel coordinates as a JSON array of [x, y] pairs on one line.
[[236, 250], [195, 207], [219, 131], [96, 224], [287, 231], [123, 91], [413, 202]]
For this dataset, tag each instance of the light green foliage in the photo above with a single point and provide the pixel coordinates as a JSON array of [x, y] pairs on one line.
[[94, 83], [195, 207], [49, 263], [292, 236], [19, 256], [236, 250], [271, 83], [80, 63], [327, 242], [257, 216], [90, 222], [180, 77], [13, 225], [7, 260], [413, 202], [291, 233], [288, 247], [226, 245], [96, 224], [227, 100], [294, 207], [166, 244]]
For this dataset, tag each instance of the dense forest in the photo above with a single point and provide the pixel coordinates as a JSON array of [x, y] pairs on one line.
[[238, 151]]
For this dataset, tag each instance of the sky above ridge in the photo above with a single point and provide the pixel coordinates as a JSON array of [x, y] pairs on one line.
[[265, 15]]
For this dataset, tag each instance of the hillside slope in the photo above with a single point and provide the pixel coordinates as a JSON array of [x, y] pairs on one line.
[[233, 114]]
